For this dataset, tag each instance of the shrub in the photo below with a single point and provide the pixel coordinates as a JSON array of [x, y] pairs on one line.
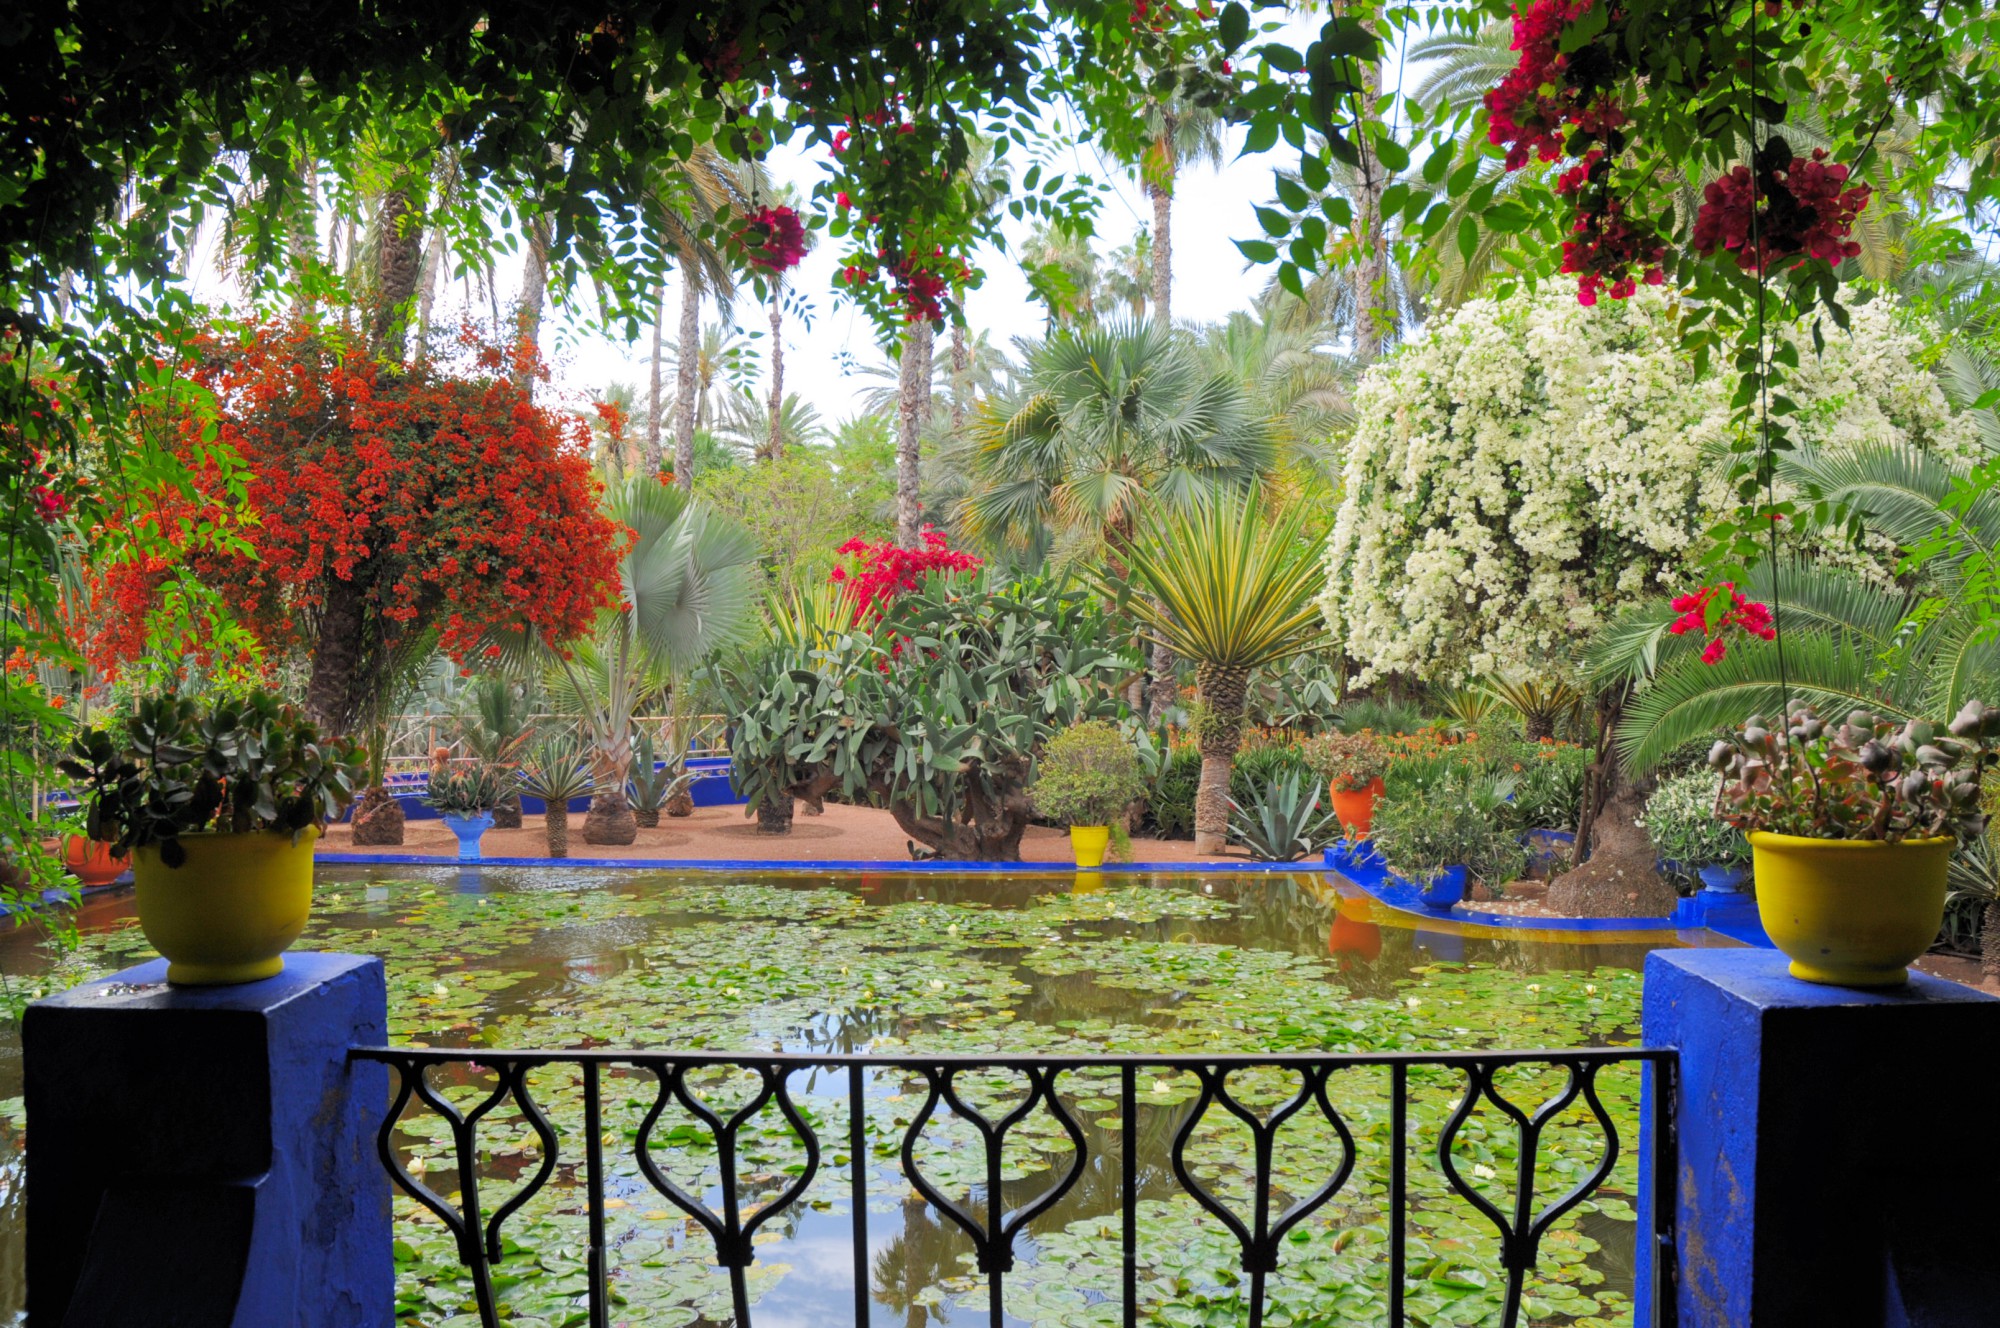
[[1548, 790], [1088, 775], [1454, 821], [1347, 761], [944, 734], [1262, 764], [1380, 715], [1681, 821]]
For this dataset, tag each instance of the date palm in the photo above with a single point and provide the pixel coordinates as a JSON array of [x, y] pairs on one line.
[[1222, 587]]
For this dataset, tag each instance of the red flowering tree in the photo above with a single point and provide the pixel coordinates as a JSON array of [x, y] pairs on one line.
[[883, 569], [390, 509]]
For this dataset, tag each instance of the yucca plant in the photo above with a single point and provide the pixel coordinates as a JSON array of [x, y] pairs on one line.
[[811, 617], [1221, 587], [556, 770]]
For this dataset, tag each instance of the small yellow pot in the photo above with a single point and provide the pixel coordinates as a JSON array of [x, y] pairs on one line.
[[230, 911], [1087, 842], [1850, 912]]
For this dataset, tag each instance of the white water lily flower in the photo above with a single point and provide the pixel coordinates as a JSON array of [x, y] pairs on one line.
[[1483, 1172]]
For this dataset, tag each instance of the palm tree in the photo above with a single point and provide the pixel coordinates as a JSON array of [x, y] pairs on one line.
[[723, 369], [913, 409], [1109, 421], [1179, 134], [1106, 422], [687, 197], [1062, 272], [1128, 274], [1233, 594], [688, 588], [748, 426], [1297, 384], [773, 446]]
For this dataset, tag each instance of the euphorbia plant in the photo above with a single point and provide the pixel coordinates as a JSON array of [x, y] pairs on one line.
[[1864, 778], [232, 767]]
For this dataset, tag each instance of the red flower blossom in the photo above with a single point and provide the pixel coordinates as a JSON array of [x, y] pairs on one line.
[[775, 239], [1790, 210], [1548, 93], [1696, 607], [882, 569]]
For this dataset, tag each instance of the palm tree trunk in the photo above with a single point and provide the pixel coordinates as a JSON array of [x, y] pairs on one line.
[[1163, 251], [690, 344], [1372, 272], [1161, 692], [1222, 694], [775, 448], [913, 402], [655, 407], [399, 260], [427, 282], [961, 361], [558, 826], [534, 294]]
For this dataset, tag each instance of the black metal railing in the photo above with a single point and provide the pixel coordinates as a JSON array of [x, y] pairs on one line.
[[993, 1227]]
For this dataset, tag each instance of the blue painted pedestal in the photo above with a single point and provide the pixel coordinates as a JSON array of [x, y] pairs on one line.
[[1826, 1174], [206, 1155]]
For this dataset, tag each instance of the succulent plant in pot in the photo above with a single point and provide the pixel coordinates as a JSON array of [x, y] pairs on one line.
[[1086, 777], [464, 795], [218, 806], [1851, 828]]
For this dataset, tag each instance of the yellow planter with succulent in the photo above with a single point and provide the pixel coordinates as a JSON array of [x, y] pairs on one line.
[[1086, 777], [219, 807], [1852, 828]]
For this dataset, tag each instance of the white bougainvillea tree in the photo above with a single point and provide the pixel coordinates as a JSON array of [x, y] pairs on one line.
[[1523, 469]]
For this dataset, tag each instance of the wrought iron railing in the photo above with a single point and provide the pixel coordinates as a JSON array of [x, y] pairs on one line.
[[1259, 1228], [413, 740]]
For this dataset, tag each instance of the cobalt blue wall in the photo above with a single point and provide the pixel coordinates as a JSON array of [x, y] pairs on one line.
[[206, 1155], [1833, 1165]]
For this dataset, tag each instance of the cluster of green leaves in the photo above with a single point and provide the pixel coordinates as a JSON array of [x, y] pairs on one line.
[[1681, 821], [174, 767], [937, 712]]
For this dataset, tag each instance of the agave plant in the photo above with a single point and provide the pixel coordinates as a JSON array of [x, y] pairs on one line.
[[652, 783], [1233, 594], [1284, 822], [557, 770]]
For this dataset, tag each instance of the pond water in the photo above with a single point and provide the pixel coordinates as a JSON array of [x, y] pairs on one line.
[[1068, 963]]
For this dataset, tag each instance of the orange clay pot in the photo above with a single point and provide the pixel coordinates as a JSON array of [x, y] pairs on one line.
[[1356, 808], [90, 861]]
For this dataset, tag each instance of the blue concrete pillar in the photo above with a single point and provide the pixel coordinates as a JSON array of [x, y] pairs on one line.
[[205, 1156], [1830, 1168]]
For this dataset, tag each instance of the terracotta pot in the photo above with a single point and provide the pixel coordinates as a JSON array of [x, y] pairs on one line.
[[1355, 808], [90, 861]]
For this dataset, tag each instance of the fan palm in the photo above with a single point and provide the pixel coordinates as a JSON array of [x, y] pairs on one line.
[[1108, 421], [1233, 594], [688, 588]]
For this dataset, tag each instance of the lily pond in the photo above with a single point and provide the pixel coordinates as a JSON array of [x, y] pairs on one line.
[[1186, 964]]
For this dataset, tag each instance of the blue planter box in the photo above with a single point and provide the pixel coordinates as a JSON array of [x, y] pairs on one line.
[[711, 788]]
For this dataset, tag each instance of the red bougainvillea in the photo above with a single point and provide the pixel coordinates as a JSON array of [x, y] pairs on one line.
[[774, 238], [1793, 209], [1549, 94], [386, 503], [1707, 611], [881, 570]]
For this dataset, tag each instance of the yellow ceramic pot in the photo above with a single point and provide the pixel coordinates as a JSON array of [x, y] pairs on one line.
[[1088, 842], [1850, 912], [230, 911]]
